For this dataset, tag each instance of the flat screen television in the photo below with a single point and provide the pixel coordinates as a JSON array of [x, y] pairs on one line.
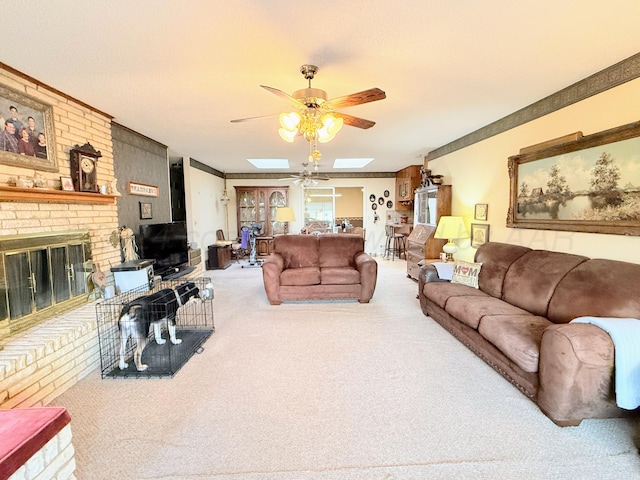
[[166, 243]]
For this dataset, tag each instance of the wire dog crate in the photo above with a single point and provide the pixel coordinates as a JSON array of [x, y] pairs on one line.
[[193, 326]]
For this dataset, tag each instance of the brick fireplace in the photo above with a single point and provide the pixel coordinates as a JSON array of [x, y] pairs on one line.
[[40, 362]]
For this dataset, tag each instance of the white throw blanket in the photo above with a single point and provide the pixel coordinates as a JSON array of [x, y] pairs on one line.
[[445, 270], [625, 334]]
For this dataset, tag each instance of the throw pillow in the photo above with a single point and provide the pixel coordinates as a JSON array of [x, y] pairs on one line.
[[466, 273]]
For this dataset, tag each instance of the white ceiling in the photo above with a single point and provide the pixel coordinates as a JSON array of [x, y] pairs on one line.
[[178, 71]]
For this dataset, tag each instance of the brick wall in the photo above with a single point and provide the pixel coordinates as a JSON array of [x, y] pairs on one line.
[[39, 364], [74, 124], [55, 460]]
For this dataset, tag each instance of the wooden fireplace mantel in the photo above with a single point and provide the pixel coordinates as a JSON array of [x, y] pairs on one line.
[[17, 194]]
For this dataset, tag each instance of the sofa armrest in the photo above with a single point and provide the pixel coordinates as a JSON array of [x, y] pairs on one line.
[[576, 373], [427, 274], [368, 268], [272, 267]]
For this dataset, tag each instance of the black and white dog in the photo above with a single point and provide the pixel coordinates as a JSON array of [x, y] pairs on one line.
[[137, 317]]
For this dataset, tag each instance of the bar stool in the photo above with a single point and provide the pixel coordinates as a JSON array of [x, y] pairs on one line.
[[395, 244]]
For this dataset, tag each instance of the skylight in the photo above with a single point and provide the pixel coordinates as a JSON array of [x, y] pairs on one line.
[[351, 162], [269, 162]]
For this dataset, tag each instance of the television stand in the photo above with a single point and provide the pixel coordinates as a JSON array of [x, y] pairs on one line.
[[177, 272]]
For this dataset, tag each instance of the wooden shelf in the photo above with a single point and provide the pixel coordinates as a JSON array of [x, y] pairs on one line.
[[16, 194]]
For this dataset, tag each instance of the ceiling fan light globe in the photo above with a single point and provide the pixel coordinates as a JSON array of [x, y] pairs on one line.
[[326, 137], [289, 121], [331, 123], [287, 135]]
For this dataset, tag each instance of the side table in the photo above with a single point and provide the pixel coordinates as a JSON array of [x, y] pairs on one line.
[[219, 256]]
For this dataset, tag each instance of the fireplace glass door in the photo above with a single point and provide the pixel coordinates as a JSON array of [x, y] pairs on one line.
[[37, 278]]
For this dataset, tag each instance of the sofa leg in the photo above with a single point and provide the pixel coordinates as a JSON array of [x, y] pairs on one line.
[[363, 301], [275, 302]]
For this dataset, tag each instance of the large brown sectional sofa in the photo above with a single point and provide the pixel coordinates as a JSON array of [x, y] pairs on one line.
[[518, 322], [319, 267]]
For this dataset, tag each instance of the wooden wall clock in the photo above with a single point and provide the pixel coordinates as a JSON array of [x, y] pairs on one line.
[[83, 162]]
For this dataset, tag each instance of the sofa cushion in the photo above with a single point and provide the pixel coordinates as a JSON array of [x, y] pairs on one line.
[[297, 250], [440, 292], [339, 276], [532, 278], [300, 276], [339, 249], [599, 288], [470, 310], [517, 336], [496, 259]]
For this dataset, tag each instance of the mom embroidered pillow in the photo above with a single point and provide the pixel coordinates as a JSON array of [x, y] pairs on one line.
[[466, 273]]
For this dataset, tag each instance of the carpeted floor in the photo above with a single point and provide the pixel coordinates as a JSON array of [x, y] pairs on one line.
[[331, 390]]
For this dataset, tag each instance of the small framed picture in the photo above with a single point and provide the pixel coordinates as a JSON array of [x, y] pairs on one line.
[[480, 212], [66, 184], [145, 210], [479, 234]]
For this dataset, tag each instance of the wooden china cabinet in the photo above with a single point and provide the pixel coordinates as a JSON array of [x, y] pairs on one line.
[[259, 205], [430, 204]]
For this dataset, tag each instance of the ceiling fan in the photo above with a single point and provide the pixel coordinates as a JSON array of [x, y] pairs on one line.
[[315, 117], [305, 177]]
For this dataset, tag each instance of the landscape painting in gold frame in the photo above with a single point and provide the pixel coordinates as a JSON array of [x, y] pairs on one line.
[[591, 184]]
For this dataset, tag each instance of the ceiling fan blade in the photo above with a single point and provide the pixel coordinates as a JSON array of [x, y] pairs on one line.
[[355, 121], [239, 120], [283, 95], [366, 96]]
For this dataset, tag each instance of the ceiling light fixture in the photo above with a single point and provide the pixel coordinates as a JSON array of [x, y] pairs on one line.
[[225, 196], [311, 124]]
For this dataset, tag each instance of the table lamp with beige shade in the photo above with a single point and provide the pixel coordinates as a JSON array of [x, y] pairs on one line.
[[450, 228], [285, 215]]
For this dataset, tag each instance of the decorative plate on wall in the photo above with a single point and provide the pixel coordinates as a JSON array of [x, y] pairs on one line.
[[389, 204], [381, 201], [372, 198], [386, 193], [374, 206]]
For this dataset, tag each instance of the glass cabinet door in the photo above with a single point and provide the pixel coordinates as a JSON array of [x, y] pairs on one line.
[[246, 209], [262, 208], [425, 206], [276, 200]]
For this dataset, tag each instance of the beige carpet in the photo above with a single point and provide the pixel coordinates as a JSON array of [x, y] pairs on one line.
[[331, 390]]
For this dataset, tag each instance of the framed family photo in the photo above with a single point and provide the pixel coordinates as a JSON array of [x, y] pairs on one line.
[[26, 132], [591, 184]]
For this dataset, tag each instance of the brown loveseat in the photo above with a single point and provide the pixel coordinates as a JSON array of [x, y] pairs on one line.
[[318, 267], [518, 322]]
